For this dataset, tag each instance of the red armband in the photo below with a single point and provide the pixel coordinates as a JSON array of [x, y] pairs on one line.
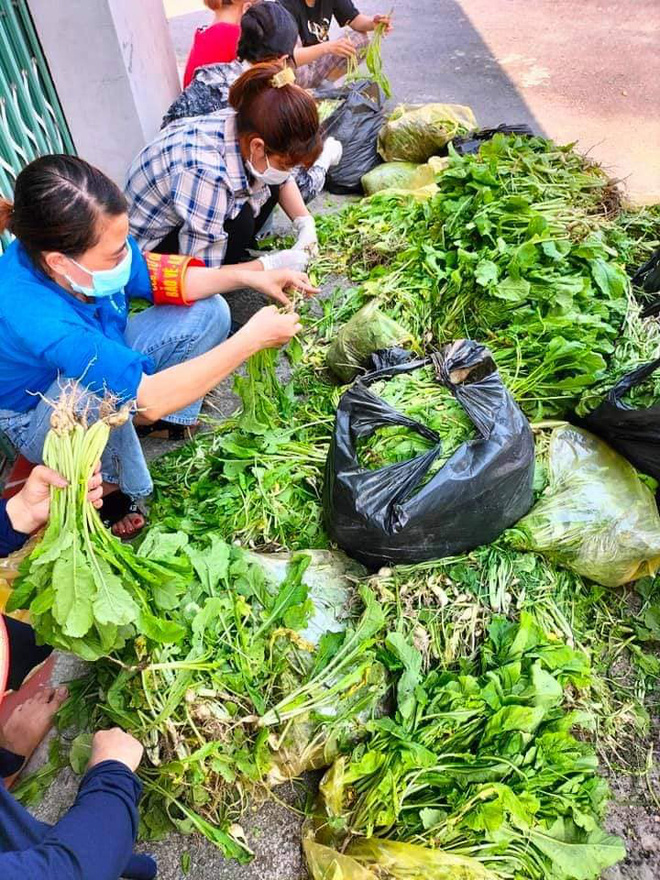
[[167, 273]]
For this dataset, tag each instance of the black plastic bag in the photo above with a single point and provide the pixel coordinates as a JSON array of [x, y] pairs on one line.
[[356, 123], [646, 280], [634, 433], [471, 142], [383, 516]]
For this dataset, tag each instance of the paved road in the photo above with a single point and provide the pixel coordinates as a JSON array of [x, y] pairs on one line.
[[585, 70]]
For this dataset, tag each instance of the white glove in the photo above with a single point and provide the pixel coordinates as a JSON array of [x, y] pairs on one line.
[[331, 153], [290, 259], [307, 239]]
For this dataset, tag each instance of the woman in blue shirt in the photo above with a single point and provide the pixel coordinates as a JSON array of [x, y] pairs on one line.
[[66, 284]]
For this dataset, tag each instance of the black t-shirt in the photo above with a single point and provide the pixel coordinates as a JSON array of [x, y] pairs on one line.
[[314, 21]]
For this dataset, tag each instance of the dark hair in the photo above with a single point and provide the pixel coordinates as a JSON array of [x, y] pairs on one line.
[[57, 203], [285, 117], [268, 31]]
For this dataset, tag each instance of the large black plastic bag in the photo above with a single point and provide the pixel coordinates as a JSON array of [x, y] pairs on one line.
[[634, 433], [355, 123], [377, 516]]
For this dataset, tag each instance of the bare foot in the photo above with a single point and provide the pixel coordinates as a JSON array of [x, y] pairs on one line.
[[29, 723], [129, 526]]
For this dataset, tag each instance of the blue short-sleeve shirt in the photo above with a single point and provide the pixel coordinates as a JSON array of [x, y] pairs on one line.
[[46, 333]]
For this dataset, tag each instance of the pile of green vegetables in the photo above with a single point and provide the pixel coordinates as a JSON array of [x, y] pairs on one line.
[[508, 675], [417, 395], [515, 250], [480, 764], [229, 695]]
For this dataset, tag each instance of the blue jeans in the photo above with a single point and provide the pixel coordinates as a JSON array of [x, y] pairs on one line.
[[170, 335]]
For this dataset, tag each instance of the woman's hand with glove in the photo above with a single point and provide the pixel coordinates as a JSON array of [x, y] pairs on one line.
[[331, 153], [306, 238], [293, 258]]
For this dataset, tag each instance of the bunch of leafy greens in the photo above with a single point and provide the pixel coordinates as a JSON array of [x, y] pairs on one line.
[[257, 478], [86, 591], [240, 699], [514, 250], [419, 396], [445, 608], [480, 764]]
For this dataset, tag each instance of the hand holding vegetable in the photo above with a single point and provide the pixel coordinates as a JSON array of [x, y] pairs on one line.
[[341, 47], [30, 508], [385, 20], [288, 259], [270, 328], [275, 283], [307, 239], [115, 745]]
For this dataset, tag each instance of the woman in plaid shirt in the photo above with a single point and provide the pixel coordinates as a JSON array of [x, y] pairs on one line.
[[205, 186]]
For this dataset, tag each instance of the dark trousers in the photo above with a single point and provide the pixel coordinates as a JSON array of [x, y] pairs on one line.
[[241, 232]]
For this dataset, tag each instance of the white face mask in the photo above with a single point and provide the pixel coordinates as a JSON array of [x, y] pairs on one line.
[[271, 175]]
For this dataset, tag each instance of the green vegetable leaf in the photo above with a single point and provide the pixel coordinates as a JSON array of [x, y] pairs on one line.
[[577, 855], [113, 603], [81, 752], [512, 290], [409, 680], [76, 589]]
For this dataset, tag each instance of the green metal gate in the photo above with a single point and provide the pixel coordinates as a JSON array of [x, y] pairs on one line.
[[31, 119]]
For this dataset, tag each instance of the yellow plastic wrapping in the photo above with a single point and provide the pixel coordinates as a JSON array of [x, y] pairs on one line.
[[418, 181], [415, 132], [9, 567], [597, 517], [374, 859]]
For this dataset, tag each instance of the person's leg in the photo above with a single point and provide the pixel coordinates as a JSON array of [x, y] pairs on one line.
[[170, 244], [242, 230], [172, 335], [331, 67], [310, 181], [24, 651]]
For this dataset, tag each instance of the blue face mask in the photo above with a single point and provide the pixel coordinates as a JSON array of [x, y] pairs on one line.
[[105, 282]]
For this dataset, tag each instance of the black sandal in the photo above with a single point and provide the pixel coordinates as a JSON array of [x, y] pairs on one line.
[[115, 507], [163, 430]]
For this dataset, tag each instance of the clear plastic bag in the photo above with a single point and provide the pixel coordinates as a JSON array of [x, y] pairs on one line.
[[314, 742], [415, 132], [597, 518], [369, 330]]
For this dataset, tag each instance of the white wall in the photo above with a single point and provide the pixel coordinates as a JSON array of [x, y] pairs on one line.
[[115, 72]]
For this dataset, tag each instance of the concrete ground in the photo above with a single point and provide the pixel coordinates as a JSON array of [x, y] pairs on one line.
[[584, 71]]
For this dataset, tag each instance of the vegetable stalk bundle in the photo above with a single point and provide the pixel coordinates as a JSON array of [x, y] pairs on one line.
[[86, 591]]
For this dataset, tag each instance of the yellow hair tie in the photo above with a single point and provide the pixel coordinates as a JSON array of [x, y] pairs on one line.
[[285, 77]]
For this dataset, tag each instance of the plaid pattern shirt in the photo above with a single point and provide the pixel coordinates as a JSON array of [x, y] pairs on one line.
[[191, 178]]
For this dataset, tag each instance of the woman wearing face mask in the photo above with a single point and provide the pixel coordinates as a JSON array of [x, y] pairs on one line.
[[267, 33], [206, 186], [66, 283]]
